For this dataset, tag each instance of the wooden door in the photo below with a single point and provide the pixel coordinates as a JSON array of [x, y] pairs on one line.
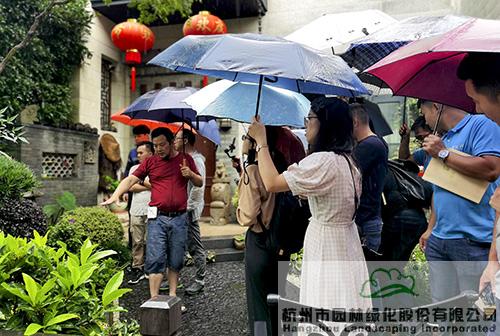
[[207, 148]]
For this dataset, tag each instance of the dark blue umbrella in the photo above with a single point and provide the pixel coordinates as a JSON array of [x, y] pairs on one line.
[[368, 50], [164, 105], [257, 58]]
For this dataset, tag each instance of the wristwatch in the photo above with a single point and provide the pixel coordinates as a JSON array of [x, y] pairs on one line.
[[259, 147], [443, 154]]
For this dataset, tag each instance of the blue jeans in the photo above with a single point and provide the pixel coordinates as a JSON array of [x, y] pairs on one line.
[[455, 265], [371, 233], [166, 244]]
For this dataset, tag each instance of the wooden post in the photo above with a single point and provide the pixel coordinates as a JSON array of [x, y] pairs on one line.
[[160, 316]]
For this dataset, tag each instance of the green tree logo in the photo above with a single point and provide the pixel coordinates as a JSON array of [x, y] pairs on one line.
[[388, 283]]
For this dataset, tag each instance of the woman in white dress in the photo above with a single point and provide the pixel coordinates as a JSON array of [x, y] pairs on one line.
[[333, 269]]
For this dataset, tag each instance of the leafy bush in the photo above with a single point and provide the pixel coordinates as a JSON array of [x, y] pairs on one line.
[[94, 223], [52, 290], [65, 202], [19, 217], [16, 178]]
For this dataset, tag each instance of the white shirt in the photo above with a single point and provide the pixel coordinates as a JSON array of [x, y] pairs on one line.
[[140, 200], [196, 200]]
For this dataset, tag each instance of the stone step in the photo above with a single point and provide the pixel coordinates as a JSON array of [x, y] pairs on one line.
[[212, 243], [228, 254]]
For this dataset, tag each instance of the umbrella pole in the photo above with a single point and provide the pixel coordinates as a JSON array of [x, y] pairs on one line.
[[404, 111], [438, 119], [261, 78], [182, 129]]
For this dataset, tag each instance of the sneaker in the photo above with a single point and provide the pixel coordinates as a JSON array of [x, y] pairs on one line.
[[136, 276], [164, 286], [195, 288]]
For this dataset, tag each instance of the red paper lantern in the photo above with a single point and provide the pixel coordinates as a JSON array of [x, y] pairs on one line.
[[204, 23], [134, 38]]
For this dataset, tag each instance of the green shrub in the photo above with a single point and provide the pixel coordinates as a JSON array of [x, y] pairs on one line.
[[20, 217], [94, 223], [52, 290], [16, 178], [419, 269], [65, 202]]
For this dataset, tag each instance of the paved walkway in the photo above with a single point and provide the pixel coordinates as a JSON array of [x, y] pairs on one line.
[[220, 310]]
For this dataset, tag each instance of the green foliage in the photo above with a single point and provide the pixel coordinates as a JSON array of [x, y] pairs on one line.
[[16, 178], [419, 269], [111, 183], [296, 261], [125, 328], [55, 291], [19, 217], [152, 10], [235, 200], [94, 223], [64, 202], [10, 133], [41, 73]]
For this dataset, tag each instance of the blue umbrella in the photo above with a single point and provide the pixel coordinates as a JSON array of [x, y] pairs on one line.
[[235, 100], [209, 129], [257, 59], [163, 105], [368, 50]]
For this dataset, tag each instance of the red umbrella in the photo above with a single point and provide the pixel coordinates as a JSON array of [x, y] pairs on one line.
[[152, 124], [427, 68]]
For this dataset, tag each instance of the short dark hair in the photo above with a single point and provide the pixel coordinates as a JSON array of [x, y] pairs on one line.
[[359, 112], [189, 135], [484, 71], [140, 129], [335, 130], [163, 131], [421, 102], [420, 123], [148, 144]]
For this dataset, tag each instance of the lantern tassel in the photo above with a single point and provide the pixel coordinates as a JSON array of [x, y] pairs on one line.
[[132, 79]]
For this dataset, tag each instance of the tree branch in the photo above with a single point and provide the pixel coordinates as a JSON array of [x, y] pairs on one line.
[[32, 31]]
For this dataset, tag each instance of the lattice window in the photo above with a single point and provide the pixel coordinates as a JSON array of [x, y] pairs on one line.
[[56, 165], [106, 70]]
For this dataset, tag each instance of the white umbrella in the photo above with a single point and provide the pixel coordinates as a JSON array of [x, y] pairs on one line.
[[336, 31]]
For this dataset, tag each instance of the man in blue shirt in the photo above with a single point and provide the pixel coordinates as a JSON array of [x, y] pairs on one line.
[[460, 230]]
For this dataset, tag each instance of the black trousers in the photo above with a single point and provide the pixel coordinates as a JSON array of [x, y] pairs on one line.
[[401, 233], [262, 277]]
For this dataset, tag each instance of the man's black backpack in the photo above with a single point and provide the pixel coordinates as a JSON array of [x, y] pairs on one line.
[[288, 224], [414, 190]]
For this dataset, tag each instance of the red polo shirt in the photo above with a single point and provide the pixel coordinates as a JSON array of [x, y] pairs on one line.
[[168, 186]]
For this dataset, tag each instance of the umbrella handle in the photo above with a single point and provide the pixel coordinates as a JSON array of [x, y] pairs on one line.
[[261, 78]]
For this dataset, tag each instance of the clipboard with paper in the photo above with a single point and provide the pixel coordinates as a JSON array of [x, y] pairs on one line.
[[470, 188]]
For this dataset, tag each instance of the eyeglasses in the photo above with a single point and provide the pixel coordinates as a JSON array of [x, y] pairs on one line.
[[308, 118], [246, 137]]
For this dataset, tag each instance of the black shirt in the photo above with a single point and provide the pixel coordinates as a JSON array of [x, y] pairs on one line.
[[371, 156]]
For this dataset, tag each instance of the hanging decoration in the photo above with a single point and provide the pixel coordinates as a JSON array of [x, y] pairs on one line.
[[204, 23], [134, 38]]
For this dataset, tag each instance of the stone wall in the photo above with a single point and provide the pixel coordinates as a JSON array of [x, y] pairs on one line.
[[73, 154]]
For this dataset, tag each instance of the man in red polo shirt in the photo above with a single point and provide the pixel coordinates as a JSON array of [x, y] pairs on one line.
[[169, 173]]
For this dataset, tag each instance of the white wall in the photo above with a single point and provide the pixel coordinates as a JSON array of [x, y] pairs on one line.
[[87, 83]]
